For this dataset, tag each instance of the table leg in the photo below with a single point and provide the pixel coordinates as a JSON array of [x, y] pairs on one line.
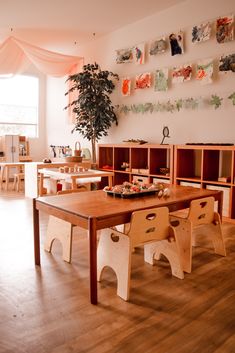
[[7, 177], [110, 181], [36, 234], [41, 178], [1, 177], [93, 260], [74, 183]]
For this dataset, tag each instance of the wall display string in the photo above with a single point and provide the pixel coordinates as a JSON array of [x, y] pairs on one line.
[[176, 105], [212, 21]]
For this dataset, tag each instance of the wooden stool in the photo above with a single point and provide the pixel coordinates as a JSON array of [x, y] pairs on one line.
[[18, 178]]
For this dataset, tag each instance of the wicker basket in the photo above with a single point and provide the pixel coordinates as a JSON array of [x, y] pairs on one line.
[[77, 150], [75, 159]]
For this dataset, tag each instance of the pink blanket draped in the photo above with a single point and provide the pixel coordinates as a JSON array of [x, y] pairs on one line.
[[16, 55]]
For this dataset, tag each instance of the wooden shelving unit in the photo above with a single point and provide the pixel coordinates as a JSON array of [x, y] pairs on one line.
[[200, 166], [207, 166], [137, 162]]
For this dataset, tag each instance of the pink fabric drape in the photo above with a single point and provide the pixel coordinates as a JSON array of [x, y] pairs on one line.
[[16, 55]]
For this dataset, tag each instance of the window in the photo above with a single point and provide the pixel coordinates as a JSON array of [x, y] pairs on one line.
[[19, 97]]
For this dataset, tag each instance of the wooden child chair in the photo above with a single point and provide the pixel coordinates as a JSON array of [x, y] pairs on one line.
[[18, 181], [61, 230], [201, 213], [150, 228]]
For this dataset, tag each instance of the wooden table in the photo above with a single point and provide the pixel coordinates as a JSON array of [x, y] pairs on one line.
[[94, 210], [86, 176], [33, 184], [5, 168]]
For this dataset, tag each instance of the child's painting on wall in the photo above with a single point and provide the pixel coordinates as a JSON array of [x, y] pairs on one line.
[[227, 63], [124, 56], [161, 80], [182, 74], [224, 29], [158, 46], [176, 43], [201, 32], [139, 53], [143, 80], [126, 86], [204, 71]]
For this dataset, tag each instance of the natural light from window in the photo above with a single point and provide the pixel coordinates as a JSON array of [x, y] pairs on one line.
[[19, 96]]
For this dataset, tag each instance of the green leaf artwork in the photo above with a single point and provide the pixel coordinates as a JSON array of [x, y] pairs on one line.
[[232, 97], [179, 104], [215, 101], [172, 106]]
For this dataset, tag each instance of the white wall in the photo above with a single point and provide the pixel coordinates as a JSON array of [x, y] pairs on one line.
[[203, 125]]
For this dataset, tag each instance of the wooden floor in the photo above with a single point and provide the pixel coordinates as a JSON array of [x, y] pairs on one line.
[[46, 310]]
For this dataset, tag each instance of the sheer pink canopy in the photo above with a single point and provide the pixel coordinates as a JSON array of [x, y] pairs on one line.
[[16, 55]]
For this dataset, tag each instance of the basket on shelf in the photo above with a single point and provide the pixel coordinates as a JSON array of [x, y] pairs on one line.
[[77, 150]]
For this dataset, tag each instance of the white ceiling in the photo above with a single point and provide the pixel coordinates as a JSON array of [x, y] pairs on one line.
[[81, 18]]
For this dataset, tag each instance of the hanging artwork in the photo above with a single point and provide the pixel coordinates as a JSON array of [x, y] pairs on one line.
[[143, 80], [181, 74], [201, 33], [124, 56], [139, 53], [161, 80], [126, 86], [176, 43], [204, 71], [224, 29], [158, 46], [227, 63]]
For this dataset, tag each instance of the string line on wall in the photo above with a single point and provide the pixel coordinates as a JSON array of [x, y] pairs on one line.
[[184, 29], [176, 105]]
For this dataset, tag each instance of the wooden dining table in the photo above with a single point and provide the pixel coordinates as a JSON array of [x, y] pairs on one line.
[[95, 210]]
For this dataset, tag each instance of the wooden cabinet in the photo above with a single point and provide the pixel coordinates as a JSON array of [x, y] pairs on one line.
[[145, 163], [207, 166]]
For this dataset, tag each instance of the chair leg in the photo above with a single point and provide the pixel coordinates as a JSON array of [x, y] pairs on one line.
[[114, 251], [14, 182], [169, 250], [61, 230], [217, 236], [183, 233]]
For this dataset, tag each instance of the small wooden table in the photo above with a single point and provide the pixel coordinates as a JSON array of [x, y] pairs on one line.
[[94, 210], [88, 176], [33, 184], [5, 168]]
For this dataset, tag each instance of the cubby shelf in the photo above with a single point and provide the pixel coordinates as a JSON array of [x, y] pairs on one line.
[[207, 166], [200, 166], [141, 162]]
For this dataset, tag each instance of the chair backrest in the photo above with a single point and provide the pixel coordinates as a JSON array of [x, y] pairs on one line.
[[148, 225], [201, 211]]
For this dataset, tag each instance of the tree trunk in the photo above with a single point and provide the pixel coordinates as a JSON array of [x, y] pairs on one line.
[[93, 152]]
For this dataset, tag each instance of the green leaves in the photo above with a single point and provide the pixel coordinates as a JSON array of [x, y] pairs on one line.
[[175, 106], [93, 108], [232, 97], [215, 101]]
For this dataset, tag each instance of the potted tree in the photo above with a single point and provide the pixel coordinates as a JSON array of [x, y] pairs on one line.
[[93, 108]]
